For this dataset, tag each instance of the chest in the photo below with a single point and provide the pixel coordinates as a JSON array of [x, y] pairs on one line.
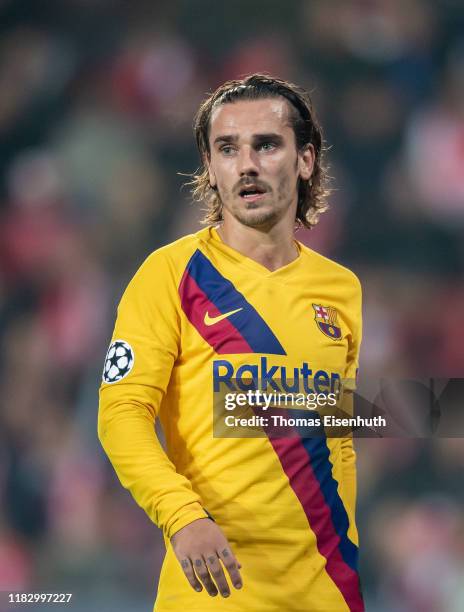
[[242, 321]]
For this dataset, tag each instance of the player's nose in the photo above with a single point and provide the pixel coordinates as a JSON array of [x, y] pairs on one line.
[[247, 162]]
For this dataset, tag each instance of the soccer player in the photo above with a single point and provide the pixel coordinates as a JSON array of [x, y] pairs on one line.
[[265, 522]]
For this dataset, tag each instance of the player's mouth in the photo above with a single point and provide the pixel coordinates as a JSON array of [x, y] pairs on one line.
[[252, 193]]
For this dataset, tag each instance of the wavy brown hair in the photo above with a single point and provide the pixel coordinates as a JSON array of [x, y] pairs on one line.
[[312, 193]]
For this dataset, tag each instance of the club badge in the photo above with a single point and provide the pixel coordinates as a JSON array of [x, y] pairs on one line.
[[326, 320]]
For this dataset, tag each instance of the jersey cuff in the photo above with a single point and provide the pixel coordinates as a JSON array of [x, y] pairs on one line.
[[191, 513]]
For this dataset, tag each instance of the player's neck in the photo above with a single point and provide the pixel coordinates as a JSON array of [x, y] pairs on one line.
[[272, 249]]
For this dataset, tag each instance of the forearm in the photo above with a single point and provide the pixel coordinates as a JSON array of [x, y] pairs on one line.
[[126, 432]]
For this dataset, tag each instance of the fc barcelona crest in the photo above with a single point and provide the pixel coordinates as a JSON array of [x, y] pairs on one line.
[[326, 320]]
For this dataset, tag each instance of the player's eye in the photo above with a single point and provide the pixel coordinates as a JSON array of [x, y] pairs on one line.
[[267, 146], [227, 149]]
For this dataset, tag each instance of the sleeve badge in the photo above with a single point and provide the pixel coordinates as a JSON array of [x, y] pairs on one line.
[[119, 361]]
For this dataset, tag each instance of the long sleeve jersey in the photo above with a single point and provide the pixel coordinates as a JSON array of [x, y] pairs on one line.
[[197, 315]]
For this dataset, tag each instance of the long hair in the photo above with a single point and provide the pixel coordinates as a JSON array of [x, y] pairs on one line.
[[312, 193]]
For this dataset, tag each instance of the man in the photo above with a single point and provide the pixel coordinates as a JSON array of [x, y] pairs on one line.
[[273, 516]]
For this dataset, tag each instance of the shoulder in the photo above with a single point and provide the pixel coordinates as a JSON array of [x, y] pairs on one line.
[[320, 267], [170, 261], [174, 251], [158, 277]]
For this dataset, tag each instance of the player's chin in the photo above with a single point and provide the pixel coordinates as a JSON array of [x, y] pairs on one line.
[[258, 217]]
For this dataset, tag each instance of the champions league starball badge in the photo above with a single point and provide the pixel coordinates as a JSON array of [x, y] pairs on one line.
[[118, 362]]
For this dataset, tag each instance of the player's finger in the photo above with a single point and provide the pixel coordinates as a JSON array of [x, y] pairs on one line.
[[216, 571], [232, 566], [203, 575], [187, 568]]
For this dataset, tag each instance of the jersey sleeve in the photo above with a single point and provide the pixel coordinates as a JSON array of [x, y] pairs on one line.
[[348, 453], [146, 333], [352, 360]]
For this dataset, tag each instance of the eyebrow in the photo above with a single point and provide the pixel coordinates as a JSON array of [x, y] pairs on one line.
[[257, 138]]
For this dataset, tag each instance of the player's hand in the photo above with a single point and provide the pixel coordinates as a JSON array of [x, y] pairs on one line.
[[200, 547]]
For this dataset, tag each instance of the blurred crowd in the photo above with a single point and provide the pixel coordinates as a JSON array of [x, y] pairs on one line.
[[96, 111]]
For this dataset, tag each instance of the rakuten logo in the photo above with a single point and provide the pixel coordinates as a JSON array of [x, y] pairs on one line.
[[273, 377]]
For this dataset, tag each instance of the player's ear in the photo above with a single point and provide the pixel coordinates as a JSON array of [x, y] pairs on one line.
[[211, 174], [306, 157]]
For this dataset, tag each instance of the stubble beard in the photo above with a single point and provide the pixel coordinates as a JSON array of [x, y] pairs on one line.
[[254, 217]]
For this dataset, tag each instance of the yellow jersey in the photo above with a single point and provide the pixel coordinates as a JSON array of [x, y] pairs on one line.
[[197, 315]]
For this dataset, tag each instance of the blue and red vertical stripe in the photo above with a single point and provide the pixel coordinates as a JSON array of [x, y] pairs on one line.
[[306, 462]]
